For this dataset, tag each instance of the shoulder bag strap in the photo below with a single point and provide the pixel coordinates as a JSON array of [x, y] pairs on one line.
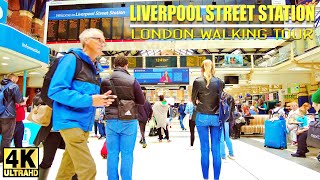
[[113, 89]]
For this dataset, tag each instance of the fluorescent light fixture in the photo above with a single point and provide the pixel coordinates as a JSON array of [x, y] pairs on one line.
[[33, 73], [5, 57], [4, 64], [299, 69]]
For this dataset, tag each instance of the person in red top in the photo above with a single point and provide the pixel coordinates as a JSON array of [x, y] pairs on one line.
[[19, 129]]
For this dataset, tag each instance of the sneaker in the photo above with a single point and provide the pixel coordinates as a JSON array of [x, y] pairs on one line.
[[168, 140], [144, 145], [231, 157]]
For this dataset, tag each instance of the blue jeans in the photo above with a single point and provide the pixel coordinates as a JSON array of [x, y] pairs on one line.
[[101, 128], [181, 121], [227, 140], [121, 138], [207, 124]]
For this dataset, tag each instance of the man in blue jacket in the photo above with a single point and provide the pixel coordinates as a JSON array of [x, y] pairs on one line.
[[75, 102], [181, 110], [11, 96]]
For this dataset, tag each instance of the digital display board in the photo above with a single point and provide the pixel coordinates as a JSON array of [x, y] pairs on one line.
[[161, 61], [162, 76]]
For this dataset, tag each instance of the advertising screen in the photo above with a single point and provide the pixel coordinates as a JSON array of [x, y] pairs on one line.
[[233, 60], [162, 76]]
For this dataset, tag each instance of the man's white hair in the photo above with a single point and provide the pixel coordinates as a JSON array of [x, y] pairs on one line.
[[87, 34]]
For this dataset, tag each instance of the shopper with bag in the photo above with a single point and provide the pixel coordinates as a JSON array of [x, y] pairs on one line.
[[121, 119], [160, 109]]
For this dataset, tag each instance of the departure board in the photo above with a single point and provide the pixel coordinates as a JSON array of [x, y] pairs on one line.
[[95, 23], [52, 30], [106, 27], [73, 29], [161, 61], [117, 28], [62, 30], [193, 61], [134, 62], [84, 24], [127, 29]]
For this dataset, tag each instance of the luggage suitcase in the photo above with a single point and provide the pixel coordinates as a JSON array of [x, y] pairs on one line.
[[104, 151], [275, 135]]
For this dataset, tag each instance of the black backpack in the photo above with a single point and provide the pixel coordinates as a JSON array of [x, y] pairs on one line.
[[48, 76]]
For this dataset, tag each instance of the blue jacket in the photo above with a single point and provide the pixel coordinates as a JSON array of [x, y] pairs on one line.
[[181, 109], [72, 106], [12, 96]]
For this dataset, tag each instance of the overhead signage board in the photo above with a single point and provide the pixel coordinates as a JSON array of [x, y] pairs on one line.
[[17, 41]]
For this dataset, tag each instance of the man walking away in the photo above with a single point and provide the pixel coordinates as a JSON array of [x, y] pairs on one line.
[[144, 115], [11, 95], [121, 119]]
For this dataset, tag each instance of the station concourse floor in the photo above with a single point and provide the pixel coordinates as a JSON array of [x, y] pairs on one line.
[[174, 161]]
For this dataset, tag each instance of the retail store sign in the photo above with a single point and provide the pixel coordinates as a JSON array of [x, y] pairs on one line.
[[3, 11], [17, 41]]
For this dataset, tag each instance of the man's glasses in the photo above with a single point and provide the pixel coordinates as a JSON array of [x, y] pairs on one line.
[[102, 41]]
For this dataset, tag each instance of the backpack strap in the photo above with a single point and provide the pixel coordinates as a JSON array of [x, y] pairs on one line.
[[78, 64], [3, 88]]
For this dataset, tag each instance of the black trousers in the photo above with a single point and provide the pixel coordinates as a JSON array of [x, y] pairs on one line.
[[142, 126], [18, 134], [236, 131], [166, 132], [302, 143], [192, 125], [50, 146]]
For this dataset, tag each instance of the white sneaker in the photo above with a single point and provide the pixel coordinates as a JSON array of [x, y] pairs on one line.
[[231, 157]]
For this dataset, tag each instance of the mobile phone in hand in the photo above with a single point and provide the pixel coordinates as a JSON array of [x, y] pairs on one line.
[[111, 97]]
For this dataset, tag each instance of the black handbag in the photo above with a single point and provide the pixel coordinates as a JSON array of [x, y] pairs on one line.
[[153, 132], [314, 134]]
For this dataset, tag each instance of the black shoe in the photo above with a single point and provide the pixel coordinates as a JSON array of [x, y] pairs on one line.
[[141, 142], [298, 155]]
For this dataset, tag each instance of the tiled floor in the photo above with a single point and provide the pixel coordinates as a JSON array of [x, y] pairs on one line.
[[172, 161]]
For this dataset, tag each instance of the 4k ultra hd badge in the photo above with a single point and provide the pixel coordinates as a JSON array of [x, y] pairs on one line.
[[21, 162]]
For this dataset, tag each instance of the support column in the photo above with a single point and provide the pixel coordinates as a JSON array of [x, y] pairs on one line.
[[24, 91]]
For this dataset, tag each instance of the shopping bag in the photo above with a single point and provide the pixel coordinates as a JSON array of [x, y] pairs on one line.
[[104, 151], [41, 115], [313, 138], [186, 120]]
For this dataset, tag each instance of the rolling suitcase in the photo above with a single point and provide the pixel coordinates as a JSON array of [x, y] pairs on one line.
[[275, 135]]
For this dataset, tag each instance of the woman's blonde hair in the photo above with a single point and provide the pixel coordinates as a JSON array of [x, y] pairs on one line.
[[208, 70]]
